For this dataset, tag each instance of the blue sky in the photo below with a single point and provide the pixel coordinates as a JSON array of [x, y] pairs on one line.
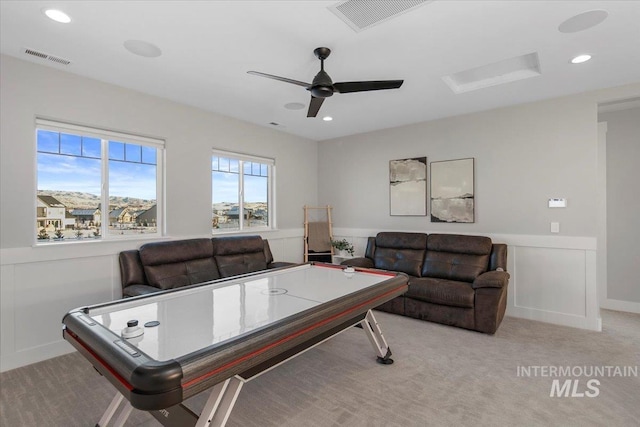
[[225, 180], [72, 163], [68, 171], [225, 188]]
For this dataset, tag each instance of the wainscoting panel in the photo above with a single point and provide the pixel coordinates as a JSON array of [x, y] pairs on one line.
[[39, 285], [46, 291], [7, 309], [549, 279]]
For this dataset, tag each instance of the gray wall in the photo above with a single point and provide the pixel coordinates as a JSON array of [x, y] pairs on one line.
[[38, 285], [30, 90], [623, 204], [524, 155]]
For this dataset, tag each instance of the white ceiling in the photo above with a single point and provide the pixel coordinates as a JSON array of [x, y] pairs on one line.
[[208, 46]]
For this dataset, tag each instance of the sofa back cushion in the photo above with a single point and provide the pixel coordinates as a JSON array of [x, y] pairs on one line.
[[400, 252], [456, 257], [178, 263], [239, 255]]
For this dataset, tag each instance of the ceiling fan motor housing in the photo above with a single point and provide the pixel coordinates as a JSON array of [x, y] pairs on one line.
[[322, 86]]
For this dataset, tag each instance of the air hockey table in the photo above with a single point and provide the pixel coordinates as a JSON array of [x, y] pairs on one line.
[[160, 349]]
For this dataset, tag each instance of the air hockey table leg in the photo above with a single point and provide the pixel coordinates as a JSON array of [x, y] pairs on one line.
[[111, 410], [220, 403], [374, 333]]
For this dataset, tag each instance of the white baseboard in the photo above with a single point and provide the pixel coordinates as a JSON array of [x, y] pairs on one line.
[[34, 355], [618, 305], [581, 322]]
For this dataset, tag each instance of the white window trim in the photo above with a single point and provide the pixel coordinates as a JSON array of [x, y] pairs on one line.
[[107, 135], [271, 190], [45, 124]]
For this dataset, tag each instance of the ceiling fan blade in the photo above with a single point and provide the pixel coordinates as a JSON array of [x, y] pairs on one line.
[[282, 79], [347, 87], [314, 106]]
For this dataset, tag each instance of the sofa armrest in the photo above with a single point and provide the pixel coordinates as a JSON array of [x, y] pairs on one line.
[[131, 269], [137, 289], [359, 262], [491, 279]]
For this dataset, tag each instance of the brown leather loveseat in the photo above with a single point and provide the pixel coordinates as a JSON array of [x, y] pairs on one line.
[[454, 279], [159, 266]]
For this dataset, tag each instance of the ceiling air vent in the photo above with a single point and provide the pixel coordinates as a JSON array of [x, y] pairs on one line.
[[360, 14], [46, 56]]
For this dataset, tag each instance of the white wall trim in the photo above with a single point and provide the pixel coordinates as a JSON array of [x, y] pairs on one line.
[[88, 248], [541, 241], [601, 261], [35, 354], [556, 318], [618, 305]]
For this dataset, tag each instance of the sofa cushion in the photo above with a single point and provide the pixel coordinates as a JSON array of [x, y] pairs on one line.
[[178, 263], [456, 257], [239, 255], [400, 252], [441, 291], [458, 243]]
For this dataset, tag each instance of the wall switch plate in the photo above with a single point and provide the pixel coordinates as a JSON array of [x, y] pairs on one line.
[[555, 227], [557, 203]]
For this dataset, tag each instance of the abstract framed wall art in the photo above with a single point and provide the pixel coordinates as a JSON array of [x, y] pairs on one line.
[[452, 191], [408, 187]]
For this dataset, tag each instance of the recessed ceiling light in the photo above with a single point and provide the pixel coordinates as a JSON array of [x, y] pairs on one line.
[[57, 15], [327, 118], [580, 59], [142, 48]]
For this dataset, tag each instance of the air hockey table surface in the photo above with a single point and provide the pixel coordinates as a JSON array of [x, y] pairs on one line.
[[160, 349]]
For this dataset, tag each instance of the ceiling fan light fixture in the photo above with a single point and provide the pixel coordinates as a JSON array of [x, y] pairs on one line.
[[322, 91], [57, 15], [580, 59]]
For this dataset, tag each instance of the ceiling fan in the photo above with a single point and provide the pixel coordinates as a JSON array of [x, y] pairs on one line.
[[322, 87]]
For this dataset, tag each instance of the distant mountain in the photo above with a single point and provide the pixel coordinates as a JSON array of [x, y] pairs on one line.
[[79, 200]]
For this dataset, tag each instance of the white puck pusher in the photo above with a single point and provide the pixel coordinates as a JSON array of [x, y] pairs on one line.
[[132, 330], [349, 271]]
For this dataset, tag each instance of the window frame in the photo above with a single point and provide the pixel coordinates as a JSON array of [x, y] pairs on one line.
[[106, 136], [271, 185]]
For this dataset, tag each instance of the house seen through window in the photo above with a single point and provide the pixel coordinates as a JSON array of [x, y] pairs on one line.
[[95, 184], [242, 192]]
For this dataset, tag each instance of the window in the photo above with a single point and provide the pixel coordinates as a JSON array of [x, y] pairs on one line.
[[242, 192], [95, 184]]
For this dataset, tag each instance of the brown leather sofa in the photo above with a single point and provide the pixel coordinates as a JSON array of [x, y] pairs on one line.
[[453, 279], [166, 265]]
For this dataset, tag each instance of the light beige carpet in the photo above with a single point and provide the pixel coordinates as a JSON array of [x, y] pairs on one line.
[[441, 376]]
